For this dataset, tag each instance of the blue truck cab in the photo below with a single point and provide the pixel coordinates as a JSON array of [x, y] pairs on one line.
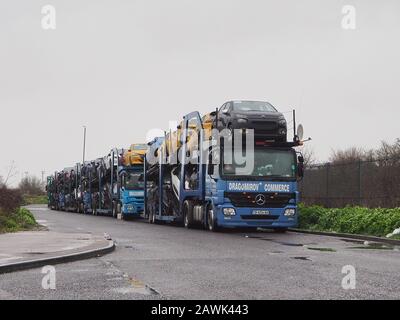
[[268, 197], [131, 194]]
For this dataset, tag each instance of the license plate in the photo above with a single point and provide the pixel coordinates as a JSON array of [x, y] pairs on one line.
[[261, 212]]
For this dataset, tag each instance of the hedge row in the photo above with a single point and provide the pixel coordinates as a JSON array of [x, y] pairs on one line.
[[357, 220]]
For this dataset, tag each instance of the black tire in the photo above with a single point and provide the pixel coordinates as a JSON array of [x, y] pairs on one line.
[[188, 214], [114, 209], [119, 210], [211, 220], [94, 208]]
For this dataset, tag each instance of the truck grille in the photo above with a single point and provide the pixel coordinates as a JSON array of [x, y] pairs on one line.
[[248, 199]]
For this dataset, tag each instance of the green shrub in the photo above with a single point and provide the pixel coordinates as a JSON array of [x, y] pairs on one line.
[[20, 219], [357, 220]]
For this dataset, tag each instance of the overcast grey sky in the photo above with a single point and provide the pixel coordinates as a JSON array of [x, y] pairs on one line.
[[122, 67]]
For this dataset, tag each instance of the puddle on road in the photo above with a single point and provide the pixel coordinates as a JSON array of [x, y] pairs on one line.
[[353, 241], [290, 244], [302, 258], [322, 249], [374, 246]]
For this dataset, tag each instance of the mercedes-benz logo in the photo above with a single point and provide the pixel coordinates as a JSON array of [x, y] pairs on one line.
[[260, 199]]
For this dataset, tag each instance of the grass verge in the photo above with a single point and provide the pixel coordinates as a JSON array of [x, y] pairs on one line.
[[28, 200], [19, 220], [354, 220]]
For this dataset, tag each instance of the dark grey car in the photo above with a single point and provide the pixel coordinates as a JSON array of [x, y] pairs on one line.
[[261, 116]]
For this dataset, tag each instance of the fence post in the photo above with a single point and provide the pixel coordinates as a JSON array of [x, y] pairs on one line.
[[359, 183], [327, 185]]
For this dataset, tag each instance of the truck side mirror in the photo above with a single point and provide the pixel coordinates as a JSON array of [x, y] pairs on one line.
[[210, 169]]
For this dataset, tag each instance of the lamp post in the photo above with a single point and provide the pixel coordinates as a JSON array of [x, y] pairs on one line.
[[84, 143]]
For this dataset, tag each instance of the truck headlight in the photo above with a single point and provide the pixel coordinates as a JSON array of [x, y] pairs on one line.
[[229, 211], [241, 121], [290, 212]]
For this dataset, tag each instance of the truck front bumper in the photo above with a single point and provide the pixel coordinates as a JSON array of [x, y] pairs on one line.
[[133, 209], [257, 217]]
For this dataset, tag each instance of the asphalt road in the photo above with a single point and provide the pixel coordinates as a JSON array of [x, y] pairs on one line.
[[168, 262]]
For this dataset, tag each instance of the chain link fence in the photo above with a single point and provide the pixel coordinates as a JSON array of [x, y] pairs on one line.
[[372, 183]]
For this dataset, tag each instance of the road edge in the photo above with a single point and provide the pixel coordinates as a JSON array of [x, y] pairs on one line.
[[37, 263], [348, 235]]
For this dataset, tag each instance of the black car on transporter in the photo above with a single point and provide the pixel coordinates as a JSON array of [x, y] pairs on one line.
[[261, 116]]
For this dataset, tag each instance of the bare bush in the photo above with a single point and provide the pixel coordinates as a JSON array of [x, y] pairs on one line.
[[309, 157], [10, 199], [349, 155], [31, 186]]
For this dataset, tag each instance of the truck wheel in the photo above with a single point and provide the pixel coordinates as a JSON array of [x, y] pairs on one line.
[[94, 209], [119, 210], [211, 220], [151, 217], [114, 210], [188, 214]]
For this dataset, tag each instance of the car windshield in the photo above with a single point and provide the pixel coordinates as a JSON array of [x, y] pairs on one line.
[[132, 181], [244, 106], [267, 163]]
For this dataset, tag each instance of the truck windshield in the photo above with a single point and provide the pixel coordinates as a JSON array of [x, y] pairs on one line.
[[132, 181], [268, 163]]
